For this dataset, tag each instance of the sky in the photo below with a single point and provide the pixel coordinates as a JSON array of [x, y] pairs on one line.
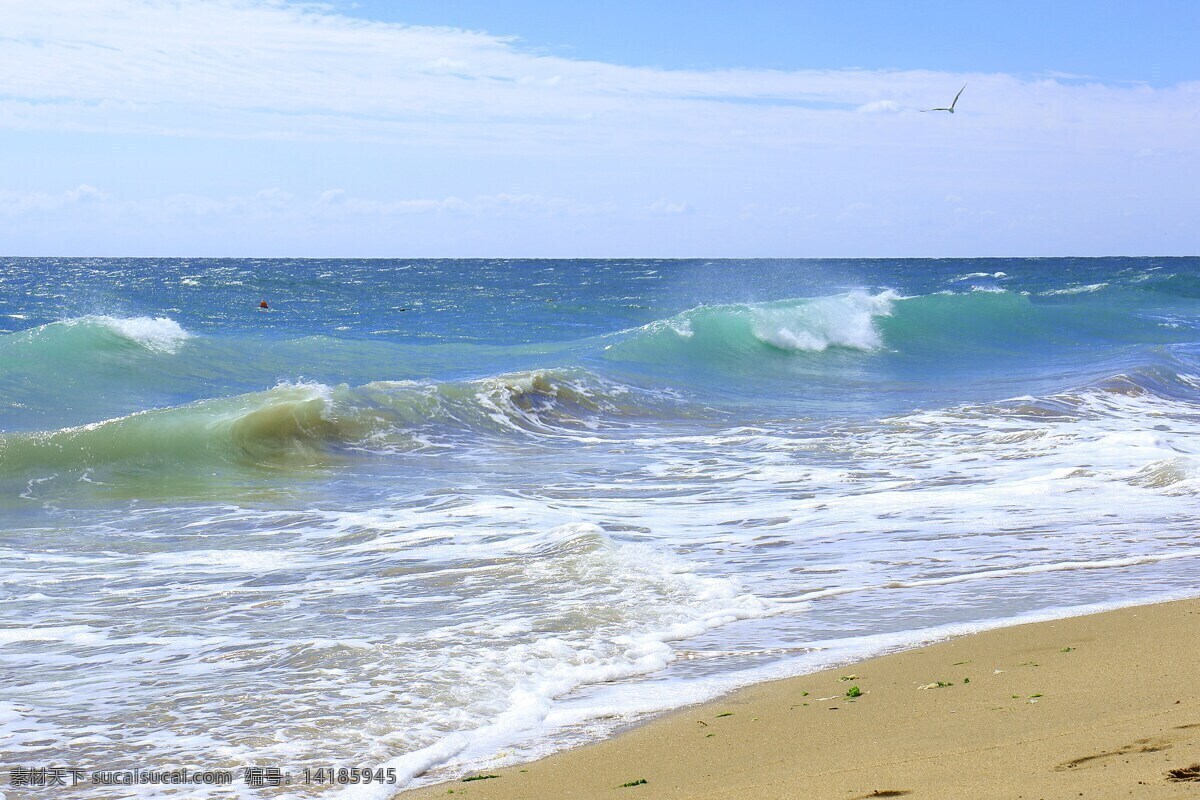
[[416, 128]]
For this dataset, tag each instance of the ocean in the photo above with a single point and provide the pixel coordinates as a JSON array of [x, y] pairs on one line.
[[439, 515]]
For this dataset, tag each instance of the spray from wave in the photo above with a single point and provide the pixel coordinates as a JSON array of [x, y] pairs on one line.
[[842, 321], [76, 341], [731, 333]]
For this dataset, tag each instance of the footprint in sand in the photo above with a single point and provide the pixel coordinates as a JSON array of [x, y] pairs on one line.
[[1191, 773], [1139, 746]]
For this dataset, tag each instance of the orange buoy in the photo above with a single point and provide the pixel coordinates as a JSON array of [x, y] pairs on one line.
[[263, 304]]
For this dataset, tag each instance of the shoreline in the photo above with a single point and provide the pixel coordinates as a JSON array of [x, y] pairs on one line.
[[1101, 705]]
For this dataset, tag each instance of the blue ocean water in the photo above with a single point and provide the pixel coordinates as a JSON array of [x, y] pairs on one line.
[[445, 514]]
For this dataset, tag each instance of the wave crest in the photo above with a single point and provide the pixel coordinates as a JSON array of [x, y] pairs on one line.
[[841, 321], [154, 333], [308, 423], [76, 341], [734, 332], [275, 426]]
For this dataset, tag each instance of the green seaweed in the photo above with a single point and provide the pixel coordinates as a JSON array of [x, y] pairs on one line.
[[479, 778], [854, 691], [638, 782]]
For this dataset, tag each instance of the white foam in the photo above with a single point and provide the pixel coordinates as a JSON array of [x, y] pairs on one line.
[[972, 275], [154, 333], [509, 618], [840, 321], [1088, 289], [69, 634], [241, 560]]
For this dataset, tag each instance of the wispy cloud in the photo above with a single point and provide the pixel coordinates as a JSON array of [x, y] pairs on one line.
[[271, 69], [19, 203], [460, 138], [275, 203]]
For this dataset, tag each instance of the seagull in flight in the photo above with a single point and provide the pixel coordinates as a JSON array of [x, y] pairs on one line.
[[951, 108]]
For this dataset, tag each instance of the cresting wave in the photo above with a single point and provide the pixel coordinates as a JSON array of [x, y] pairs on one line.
[[730, 332], [285, 423], [993, 321], [75, 340], [748, 337], [297, 424]]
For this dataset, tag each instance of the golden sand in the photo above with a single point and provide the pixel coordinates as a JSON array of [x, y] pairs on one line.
[[1102, 706]]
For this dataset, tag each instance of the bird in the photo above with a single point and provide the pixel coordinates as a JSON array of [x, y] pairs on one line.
[[951, 108]]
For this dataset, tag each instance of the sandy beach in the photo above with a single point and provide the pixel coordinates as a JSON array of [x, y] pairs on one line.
[[1101, 706]]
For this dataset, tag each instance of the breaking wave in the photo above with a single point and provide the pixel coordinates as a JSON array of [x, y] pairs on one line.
[[302, 423], [812, 325], [76, 341], [982, 321]]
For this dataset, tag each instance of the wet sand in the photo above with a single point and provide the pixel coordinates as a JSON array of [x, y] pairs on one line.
[[1101, 706]]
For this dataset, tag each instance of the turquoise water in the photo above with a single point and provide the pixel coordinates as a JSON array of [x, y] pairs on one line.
[[443, 514]]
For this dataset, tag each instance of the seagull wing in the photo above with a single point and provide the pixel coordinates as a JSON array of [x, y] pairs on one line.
[[960, 91]]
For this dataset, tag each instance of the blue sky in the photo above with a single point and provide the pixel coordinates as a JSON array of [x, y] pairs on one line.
[[420, 128], [1153, 41]]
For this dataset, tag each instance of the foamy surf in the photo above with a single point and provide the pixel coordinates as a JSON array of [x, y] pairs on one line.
[[548, 498]]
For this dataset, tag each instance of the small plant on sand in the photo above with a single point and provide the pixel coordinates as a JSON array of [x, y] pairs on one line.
[[638, 782], [854, 691]]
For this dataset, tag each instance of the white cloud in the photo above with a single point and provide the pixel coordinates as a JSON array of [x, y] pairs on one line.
[[667, 208], [879, 106], [336, 203], [17, 203], [452, 135], [257, 68], [275, 203]]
